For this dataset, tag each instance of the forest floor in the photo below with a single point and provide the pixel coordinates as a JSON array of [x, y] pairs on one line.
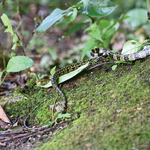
[[109, 110]]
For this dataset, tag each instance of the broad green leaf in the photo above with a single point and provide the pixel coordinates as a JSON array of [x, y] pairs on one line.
[[98, 8], [51, 19], [68, 76], [96, 34], [104, 25], [72, 15], [137, 17], [88, 46], [131, 46], [73, 29], [7, 23], [19, 63]]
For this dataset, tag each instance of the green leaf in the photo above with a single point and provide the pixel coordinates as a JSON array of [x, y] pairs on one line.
[[63, 116], [109, 33], [137, 17], [73, 29], [51, 19], [131, 46], [91, 27], [114, 67], [15, 38], [13, 54], [118, 2], [72, 15], [104, 25], [53, 70], [97, 8], [7, 23], [96, 34], [19, 63], [68, 76], [88, 46], [14, 46]]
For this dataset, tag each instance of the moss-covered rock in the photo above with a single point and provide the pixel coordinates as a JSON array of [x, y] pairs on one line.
[[110, 109]]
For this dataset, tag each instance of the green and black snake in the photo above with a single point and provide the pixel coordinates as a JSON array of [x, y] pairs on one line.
[[100, 55]]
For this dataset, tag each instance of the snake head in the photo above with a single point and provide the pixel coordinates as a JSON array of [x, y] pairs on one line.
[[96, 52]]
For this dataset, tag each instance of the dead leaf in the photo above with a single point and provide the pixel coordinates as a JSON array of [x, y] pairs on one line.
[[3, 124], [3, 115]]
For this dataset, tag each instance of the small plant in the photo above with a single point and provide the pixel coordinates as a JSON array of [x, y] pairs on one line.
[[101, 31], [60, 116], [16, 63]]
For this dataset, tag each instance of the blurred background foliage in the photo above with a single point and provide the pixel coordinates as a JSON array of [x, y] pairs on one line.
[[25, 15]]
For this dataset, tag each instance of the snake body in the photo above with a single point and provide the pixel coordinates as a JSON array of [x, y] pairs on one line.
[[100, 55]]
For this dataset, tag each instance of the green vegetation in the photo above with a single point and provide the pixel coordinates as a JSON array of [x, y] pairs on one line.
[[118, 116], [108, 108]]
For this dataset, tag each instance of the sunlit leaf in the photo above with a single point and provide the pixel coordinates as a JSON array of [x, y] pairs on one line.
[[7, 23], [19, 63], [114, 67], [51, 19], [97, 8], [68, 76], [131, 46], [15, 38], [72, 15]]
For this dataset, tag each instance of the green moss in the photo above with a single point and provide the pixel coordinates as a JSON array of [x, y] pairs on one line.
[[110, 109], [119, 115]]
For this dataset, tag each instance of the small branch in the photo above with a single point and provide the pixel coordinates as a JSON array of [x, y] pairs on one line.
[[97, 65]]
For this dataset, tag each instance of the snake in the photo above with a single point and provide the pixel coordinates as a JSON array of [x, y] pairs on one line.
[[99, 55]]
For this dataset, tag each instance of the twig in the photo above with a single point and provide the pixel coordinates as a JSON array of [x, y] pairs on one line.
[[97, 65], [31, 113]]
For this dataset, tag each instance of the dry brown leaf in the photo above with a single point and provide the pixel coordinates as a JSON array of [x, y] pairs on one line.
[[3, 115]]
